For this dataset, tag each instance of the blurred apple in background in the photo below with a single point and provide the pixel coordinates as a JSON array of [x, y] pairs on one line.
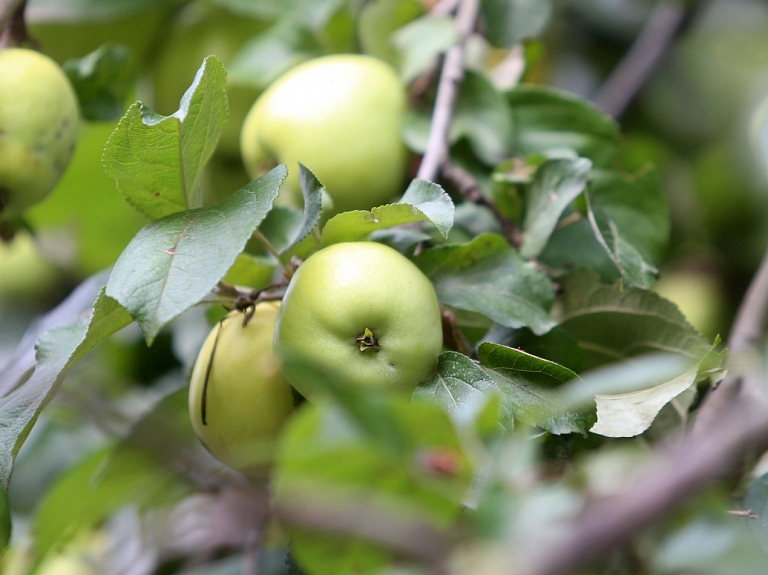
[[700, 297]]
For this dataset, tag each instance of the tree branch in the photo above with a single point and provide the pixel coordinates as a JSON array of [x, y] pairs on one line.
[[13, 30], [710, 452], [633, 71], [447, 90]]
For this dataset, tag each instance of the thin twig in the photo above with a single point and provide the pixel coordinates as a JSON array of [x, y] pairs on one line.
[[447, 90], [13, 30], [469, 189], [641, 60]]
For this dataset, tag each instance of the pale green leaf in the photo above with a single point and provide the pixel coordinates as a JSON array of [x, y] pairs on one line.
[[422, 202], [157, 160], [420, 41]]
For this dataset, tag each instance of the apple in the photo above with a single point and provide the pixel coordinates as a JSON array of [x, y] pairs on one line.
[[340, 116], [362, 314], [238, 400], [39, 123], [699, 296]]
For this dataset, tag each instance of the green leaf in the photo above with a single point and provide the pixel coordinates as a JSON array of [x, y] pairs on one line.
[[172, 263], [487, 277], [378, 21], [327, 465], [421, 41], [58, 349], [635, 270], [627, 230], [482, 116], [157, 160], [261, 60], [545, 119], [510, 21], [556, 184], [102, 80], [531, 386], [610, 323], [462, 388], [5, 520], [422, 201]]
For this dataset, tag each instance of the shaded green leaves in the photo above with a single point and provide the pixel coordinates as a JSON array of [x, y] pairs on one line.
[[134, 471], [624, 231], [481, 116], [422, 202], [556, 184], [157, 160], [57, 350], [486, 276], [509, 21], [330, 467], [102, 80], [172, 263], [528, 388], [546, 120], [421, 41], [610, 324]]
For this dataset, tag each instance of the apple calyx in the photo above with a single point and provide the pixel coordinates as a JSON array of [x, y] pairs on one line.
[[367, 341]]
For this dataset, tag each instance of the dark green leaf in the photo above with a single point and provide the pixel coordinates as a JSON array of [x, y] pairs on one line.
[[628, 229], [531, 385], [462, 388], [102, 80], [422, 201], [611, 323], [510, 21], [5, 520], [556, 184], [486, 276], [174, 262], [482, 116], [635, 270], [157, 160], [546, 120]]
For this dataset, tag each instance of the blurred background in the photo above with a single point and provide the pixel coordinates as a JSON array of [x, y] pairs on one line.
[[692, 117]]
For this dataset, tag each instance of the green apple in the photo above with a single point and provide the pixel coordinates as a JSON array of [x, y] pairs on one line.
[[340, 116], [362, 314], [39, 122], [238, 400]]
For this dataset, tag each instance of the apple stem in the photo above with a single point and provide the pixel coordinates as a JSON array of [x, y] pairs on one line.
[[13, 29]]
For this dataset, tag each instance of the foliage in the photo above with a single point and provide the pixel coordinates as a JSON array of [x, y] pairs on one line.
[[543, 233]]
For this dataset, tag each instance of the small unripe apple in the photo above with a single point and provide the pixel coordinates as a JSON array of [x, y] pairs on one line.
[[363, 315], [340, 116], [238, 399], [39, 122]]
